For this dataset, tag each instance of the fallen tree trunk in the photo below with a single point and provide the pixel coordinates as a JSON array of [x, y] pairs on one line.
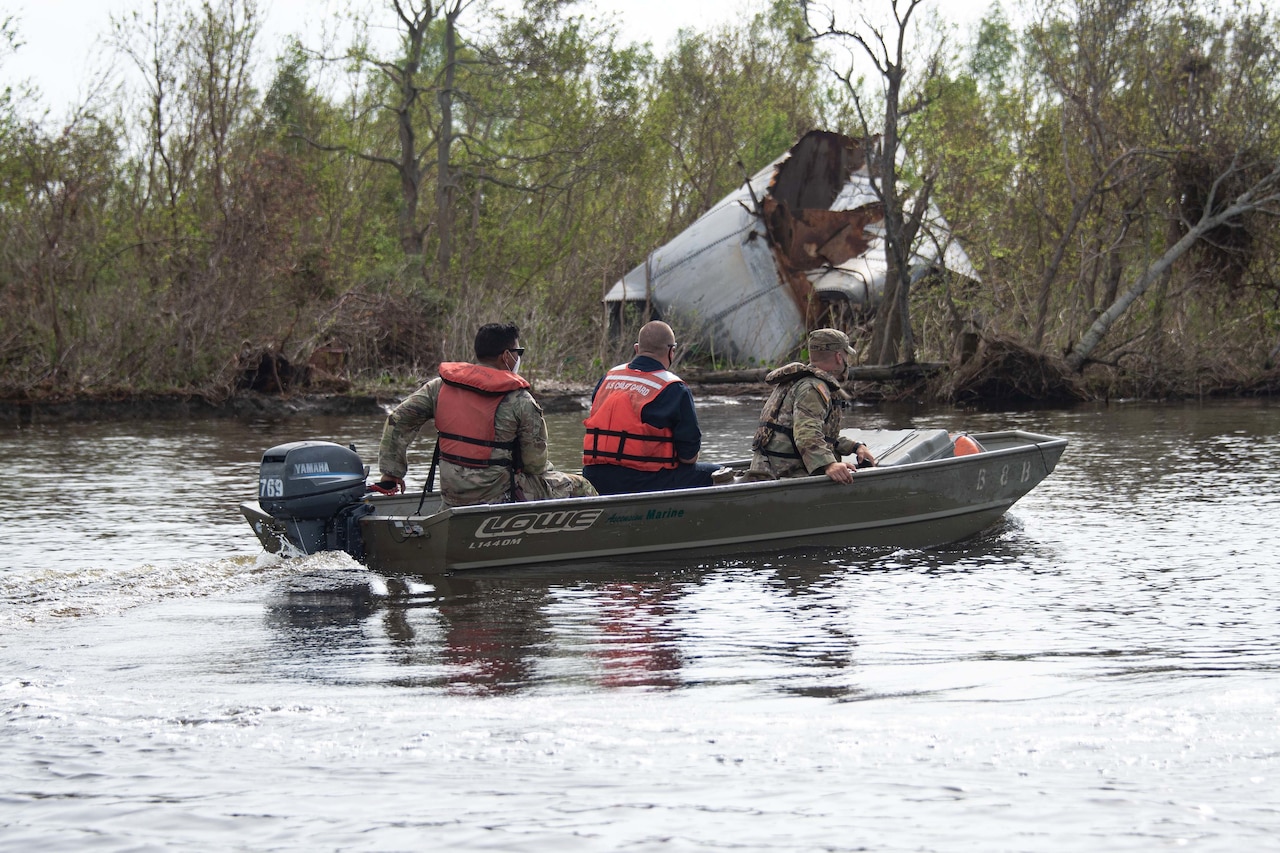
[[869, 373], [717, 377], [896, 372]]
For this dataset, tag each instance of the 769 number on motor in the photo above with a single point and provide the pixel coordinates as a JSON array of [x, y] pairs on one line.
[[270, 487]]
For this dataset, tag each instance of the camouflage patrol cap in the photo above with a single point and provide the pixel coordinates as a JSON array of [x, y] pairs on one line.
[[830, 340]]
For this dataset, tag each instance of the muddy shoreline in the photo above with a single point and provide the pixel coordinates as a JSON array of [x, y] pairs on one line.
[[251, 405]]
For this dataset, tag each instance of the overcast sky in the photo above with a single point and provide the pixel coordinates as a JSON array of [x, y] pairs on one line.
[[60, 35], [59, 54]]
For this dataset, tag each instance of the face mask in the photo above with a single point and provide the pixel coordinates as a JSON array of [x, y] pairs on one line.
[[516, 368]]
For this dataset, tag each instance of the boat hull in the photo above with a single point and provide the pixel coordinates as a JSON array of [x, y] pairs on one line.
[[911, 505]]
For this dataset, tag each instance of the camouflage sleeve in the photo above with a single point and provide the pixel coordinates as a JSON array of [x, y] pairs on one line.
[[530, 430], [403, 425], [810, 408]]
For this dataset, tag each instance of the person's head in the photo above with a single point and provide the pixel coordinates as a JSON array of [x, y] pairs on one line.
[[656, 340], [498, 344], [829, 350]]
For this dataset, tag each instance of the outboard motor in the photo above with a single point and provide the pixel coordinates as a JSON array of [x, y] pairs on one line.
[[314, 489]]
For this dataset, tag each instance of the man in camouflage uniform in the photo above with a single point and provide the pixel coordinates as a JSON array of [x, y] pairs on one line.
[[799, 433], [493, 444]]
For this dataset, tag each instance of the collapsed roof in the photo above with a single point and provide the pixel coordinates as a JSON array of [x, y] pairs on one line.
[[752, 275]]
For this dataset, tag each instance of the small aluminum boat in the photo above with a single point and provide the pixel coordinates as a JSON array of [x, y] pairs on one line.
[[927, 490]]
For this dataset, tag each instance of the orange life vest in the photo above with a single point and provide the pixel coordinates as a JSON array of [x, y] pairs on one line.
[[615, 433], [466, 413]]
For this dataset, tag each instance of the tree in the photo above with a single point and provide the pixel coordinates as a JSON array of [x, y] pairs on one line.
[[448, 94], [886, 48], [730, 100], [1136, 125], [412, 88], [9, 42], [1261, 196]]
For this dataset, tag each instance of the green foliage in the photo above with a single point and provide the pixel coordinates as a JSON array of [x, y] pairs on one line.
[[994, 51], [1105, 131], [737, 96], [143, 246]]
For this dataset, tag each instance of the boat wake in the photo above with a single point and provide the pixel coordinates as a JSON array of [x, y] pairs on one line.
[[34, 597]]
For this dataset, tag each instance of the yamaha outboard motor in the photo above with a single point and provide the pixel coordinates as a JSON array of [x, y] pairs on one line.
[[314, 489]]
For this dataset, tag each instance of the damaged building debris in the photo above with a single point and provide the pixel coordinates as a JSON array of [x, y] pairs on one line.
[[800, 241]]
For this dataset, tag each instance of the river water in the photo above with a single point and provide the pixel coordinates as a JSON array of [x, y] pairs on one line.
[[1099, 671]]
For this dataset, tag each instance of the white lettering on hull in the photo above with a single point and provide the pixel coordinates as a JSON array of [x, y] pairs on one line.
[[551, 521], [494, 543]]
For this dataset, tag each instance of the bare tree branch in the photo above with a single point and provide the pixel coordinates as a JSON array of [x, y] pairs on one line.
[[1262, 196]]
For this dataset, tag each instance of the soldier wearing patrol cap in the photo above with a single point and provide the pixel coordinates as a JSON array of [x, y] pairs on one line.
[[799, 432]]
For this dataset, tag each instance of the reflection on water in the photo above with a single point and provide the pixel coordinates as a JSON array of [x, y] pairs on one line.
[[486, 635], [1098, 669], [783, 624]]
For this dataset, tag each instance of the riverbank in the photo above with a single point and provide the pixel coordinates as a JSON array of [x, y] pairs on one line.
[[1009, 386], [248, 405], [244, 405], [552, 395], [1004, 373]]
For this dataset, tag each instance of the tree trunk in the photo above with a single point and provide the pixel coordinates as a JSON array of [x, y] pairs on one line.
[[1055, 263], [446, 183], [408, 164], [886, 333], [891, 334]]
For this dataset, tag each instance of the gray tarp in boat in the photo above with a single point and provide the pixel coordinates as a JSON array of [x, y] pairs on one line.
[[756, 271]]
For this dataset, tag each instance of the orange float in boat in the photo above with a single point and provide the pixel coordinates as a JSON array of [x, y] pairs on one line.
[[964, 446]]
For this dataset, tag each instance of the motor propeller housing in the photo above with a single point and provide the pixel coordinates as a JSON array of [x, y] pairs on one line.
[[312, 486]]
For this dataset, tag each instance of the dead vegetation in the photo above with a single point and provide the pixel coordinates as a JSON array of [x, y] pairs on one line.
[[1005, 372]]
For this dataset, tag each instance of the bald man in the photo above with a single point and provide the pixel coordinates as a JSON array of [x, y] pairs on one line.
[[642, 433]]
